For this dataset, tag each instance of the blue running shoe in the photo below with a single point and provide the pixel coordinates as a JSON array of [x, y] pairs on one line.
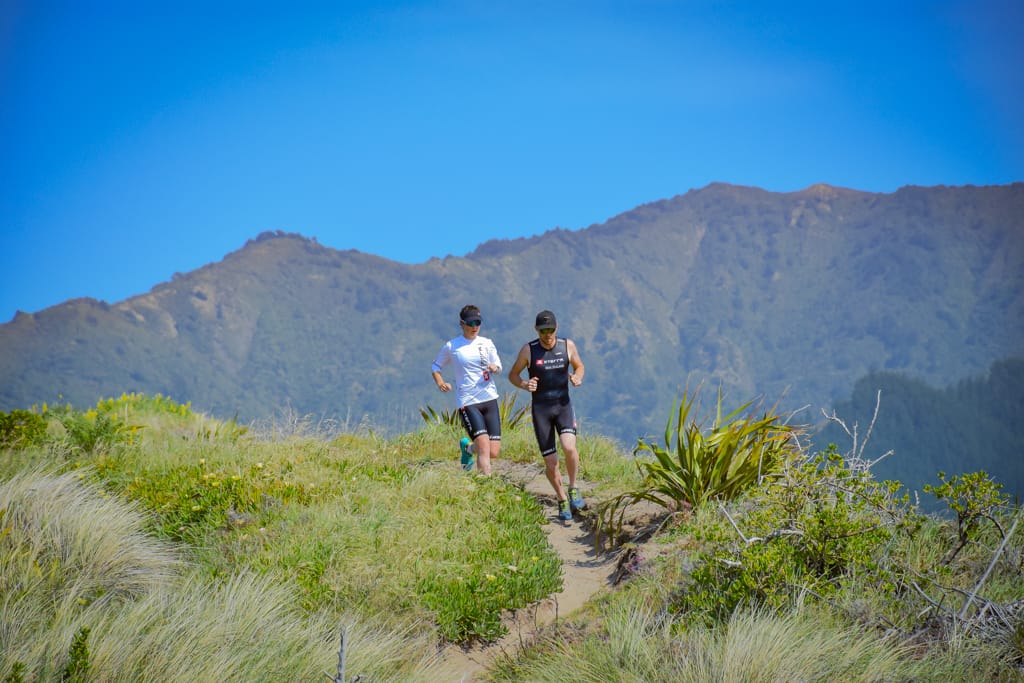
[[564, 513], [467, 457], [575, 499]]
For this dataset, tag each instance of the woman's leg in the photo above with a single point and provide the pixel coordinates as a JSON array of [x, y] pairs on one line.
[[482, 445]]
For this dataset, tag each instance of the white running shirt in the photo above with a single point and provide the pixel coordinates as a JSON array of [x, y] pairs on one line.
[[473, 383]]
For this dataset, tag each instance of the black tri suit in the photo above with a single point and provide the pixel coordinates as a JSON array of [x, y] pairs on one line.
[[551, 409]]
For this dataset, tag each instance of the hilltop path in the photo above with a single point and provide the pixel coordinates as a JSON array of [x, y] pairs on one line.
[[585, 572]]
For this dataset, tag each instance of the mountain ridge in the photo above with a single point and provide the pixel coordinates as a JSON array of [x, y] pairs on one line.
[[765, 293]]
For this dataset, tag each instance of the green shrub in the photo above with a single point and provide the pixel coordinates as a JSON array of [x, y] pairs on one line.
[[809, 530], [92, 430], [974, 498], [77, 668], [191, 499], [21, 428], [127, 404], [17, 674], [506, 564]]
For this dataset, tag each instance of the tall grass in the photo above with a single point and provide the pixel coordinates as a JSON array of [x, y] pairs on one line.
[[635, 641], [67, 549], [247, 629], [71, 555], [188, 546]]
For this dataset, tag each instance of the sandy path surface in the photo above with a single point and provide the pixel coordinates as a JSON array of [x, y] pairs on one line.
[[585, 572]]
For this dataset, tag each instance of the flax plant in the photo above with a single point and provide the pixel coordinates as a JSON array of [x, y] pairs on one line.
[[512, 415], [693, 467]]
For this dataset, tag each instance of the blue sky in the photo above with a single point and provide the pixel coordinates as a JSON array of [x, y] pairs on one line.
[[142, 139]]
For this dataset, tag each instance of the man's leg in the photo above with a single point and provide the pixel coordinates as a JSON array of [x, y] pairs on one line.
[[572, 457], [572, 466], [544, 430], [554, 476]]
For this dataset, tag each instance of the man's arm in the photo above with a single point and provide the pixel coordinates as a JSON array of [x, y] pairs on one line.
[[577, 363], [516, 371]]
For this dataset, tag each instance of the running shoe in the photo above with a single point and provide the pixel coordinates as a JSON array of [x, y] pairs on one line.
[[564, 513], [467, 457], [575, 499]]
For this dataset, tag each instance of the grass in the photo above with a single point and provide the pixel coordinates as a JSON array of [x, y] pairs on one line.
[[631, 639], [185, 535], [152, 543], [68, 551]]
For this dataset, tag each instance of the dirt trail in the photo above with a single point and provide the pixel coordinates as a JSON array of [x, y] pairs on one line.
[[585, 572]]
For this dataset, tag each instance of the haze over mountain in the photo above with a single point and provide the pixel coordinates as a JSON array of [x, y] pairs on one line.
[[769, 294]]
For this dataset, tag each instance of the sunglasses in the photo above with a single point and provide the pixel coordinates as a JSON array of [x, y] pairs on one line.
[[474, 323], [546, 330]]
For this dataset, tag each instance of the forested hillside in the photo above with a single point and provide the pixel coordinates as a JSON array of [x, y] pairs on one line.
[[974, 424]]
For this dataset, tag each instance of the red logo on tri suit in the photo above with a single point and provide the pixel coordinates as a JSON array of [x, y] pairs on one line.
[[540, 361]]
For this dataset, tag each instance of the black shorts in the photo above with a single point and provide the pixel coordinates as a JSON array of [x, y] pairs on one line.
[[482, 418], [551, 418]]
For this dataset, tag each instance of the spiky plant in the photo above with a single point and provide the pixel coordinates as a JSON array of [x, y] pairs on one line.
[[738, 450], [512, 415]]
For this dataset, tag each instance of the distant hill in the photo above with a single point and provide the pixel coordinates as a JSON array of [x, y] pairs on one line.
[[974, 424], [800, 293]]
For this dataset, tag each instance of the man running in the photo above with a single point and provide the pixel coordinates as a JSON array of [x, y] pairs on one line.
[[476, 362], [553, 364]]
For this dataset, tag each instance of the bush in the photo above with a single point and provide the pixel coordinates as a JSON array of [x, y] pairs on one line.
[[93, 430], [21, 428], [974, 498], [77, 668], [816, 526]]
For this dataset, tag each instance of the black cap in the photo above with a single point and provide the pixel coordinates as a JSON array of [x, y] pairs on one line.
[[545, 319], [472, 318]]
